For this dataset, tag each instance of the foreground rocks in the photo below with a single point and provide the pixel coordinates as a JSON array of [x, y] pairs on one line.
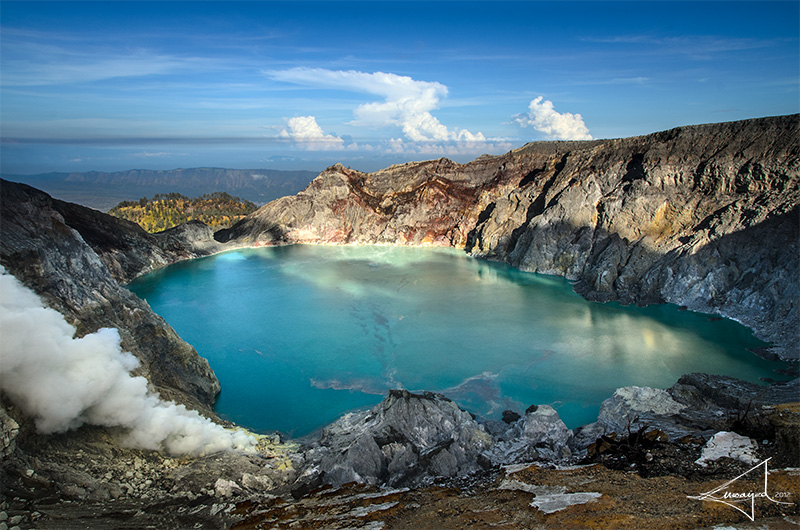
[[418, 461], [697, 405], [405, 440], [83, 479], [411, 439], [532, 496], [415, 450], [538, 436]]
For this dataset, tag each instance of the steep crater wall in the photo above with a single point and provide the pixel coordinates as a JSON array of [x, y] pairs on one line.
[[702, 216], [77, 259]]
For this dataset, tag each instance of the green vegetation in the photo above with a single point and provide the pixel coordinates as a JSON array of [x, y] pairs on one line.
[[165, 210]]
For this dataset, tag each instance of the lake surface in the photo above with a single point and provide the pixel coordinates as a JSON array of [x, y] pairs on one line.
[[299, 335]]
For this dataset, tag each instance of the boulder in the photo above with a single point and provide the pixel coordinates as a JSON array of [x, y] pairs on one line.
[[698, 405], [539, 435], [634, 406], [405, 440], [728, 445]]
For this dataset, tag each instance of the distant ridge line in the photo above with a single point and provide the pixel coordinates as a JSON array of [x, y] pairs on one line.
[[103, 190]]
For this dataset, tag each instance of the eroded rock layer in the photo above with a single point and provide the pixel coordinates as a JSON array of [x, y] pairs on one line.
[[703, 216]]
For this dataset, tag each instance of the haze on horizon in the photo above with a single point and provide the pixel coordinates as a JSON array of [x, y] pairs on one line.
[[301, 85]]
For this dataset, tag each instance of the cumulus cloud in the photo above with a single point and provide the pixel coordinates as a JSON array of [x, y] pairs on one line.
[[557, 126], [407, 103], [306, 132], [398, 146], [64, 382]]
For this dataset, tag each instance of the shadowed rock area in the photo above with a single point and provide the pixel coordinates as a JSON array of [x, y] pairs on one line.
[[77, 259]]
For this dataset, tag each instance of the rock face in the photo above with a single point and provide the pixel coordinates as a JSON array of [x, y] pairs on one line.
[[76, 259], [9, 429], [703, 216], [403, 441]]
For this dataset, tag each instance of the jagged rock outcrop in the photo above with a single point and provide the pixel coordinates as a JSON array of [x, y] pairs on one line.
[[403, 441], [703, 216], [419, 203], [630, 407], [84, 479], [408, 440], [697, 405], [76, 259]]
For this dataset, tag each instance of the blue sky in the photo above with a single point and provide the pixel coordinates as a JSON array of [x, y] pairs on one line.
[[302, 85]]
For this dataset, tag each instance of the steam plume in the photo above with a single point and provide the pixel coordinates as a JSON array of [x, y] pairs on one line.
[[65, 382]]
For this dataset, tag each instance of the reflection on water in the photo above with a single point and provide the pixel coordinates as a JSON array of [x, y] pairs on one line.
[[299, 335]]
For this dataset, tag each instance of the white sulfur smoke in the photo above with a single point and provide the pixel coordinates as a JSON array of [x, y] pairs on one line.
[[64, 382]]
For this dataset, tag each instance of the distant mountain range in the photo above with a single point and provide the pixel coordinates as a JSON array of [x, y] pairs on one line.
[[103, 191]]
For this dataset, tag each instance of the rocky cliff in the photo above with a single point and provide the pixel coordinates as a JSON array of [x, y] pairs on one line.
[[78, 259], [703, 216]]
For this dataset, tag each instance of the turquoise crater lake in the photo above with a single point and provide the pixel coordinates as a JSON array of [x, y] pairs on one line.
[[300, 335]]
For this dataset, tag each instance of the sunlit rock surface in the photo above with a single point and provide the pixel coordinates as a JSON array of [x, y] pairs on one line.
[[697, 405], [632, 406]]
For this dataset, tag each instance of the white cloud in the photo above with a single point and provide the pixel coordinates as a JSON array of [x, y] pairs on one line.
[[306, 132], [160, 154], [465, 148], [543, 117], [33, 64], [407, 103]]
